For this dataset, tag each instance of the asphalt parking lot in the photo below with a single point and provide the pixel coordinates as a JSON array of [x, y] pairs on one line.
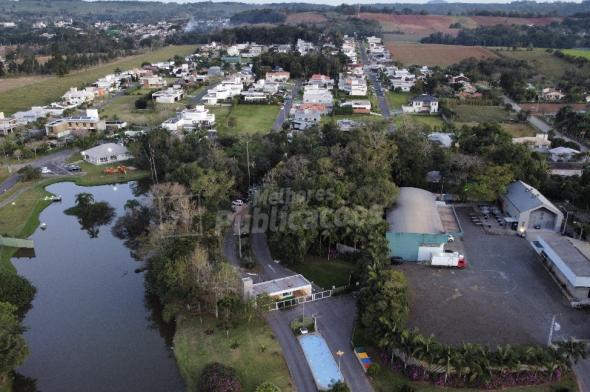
[[504, 296]]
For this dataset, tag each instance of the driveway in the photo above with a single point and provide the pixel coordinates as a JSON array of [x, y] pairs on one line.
[[54, 161], [504, 296], [335, 321], [261, 252], [284, 112]]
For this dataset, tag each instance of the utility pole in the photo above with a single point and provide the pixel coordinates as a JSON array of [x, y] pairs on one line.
[[248, 162], [555, 327]]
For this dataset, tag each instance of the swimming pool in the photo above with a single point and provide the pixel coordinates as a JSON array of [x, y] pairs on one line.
[[320, 360]]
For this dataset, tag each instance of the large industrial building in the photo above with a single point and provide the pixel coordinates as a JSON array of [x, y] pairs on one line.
[[419, 225], [530, 208]]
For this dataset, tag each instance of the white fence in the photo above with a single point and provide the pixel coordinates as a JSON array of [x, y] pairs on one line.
[[289, 303]]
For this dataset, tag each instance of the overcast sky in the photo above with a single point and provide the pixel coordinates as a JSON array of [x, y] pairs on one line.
[[336, 2]]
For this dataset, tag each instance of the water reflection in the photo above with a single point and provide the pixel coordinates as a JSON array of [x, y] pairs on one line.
[[91, 214], [91, 327]]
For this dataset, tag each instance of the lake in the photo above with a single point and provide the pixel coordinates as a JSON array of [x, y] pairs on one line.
[[91, 327]]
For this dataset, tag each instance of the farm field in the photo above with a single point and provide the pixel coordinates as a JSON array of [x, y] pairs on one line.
[[305, 17], [244, 119], [543, 62], [45, 90], [414, 27], [542, 108], [577, 52], [434, 54]]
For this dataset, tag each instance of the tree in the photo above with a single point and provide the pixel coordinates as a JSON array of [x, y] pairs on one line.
[[340, 386], [217, 377], [16, 290], [267, 387], [490, 183], [13, 348], [30, 173]]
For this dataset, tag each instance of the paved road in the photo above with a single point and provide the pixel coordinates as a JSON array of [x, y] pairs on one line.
[[383, 104], [54, 161], [284, 113], [261, 252], [542, 125], [335, 320]]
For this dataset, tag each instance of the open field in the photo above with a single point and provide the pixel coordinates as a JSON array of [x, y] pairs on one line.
[[244, 119], [577, 53], [542, 108], [480, 114], [323, 272], [305, 17], [519, 129], [543, 62], [418, 26], [396, 100], [433, 122], [49, 89], [123, 108], [433, 54], [364, 118], [257, 358], [10, 83]]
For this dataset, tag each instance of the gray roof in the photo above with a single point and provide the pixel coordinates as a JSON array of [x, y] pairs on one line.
[[573, 253], [103, 150], [425, 98], [293, 282], [415, 212], [524, 197]]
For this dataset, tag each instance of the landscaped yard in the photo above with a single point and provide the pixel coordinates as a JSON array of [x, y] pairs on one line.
[[434, 122], [323, 272], [46, 90], [367, 118], [123, 108], [257, 358], [396, 100], [245, 119]]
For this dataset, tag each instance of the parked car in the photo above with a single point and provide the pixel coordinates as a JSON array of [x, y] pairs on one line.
[[72, 168], [45, 170]]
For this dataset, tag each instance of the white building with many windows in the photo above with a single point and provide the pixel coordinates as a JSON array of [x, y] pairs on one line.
[[190, 118]]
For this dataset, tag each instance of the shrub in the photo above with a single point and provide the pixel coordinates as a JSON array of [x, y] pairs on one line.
[[217, 377], [30, 173], [405, 388], [16, 290], [374, 370], [267, 387]]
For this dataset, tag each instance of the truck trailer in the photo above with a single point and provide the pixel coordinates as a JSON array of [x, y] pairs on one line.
[[448, 259]]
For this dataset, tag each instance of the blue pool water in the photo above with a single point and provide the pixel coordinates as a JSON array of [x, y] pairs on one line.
[[321, 362]]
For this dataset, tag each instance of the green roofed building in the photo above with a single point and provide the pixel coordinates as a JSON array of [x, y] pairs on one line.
[[419, 225]]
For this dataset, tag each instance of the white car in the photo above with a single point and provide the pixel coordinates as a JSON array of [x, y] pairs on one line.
[[45, 170], [237, 204]]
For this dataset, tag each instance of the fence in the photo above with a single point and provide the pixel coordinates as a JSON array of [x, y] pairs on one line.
[[291, 302]]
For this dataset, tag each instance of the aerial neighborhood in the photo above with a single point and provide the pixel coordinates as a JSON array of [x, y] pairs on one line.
[[294, 197]]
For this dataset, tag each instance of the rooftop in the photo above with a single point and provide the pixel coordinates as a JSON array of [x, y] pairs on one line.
[[524, 197], [288, 283], [415, 212], [573, 253]]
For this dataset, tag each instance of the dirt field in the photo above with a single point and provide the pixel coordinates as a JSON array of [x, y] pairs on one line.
[[432, 54], [418, 26], [305, 17]]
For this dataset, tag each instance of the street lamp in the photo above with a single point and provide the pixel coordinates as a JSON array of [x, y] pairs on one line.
[[339, 353], [555, 327]]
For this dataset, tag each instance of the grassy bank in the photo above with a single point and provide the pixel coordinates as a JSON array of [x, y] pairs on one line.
[[411, 120], [257, 358], [50, 89], [245, 119]]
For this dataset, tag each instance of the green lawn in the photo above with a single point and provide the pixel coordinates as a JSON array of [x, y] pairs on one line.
[[366, 118], [577, 53], [323, 272], [257, 359], [51, 89], [519, 129], [433, 122], [480, 114], [123, 108], [245, 119], [396, 100]]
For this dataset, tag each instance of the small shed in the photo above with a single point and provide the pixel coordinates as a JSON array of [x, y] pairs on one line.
[[283, 288]]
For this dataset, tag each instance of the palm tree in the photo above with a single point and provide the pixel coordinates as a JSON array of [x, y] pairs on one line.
[[132, 204], [84, 199]]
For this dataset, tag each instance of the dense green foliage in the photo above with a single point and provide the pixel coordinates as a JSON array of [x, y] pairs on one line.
[[258, 16], [299, 66], [13, 349], [16, 290], [267, 387], [217, 377]]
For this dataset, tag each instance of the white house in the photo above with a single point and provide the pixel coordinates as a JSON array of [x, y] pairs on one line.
[[169, 95], [197, 117], [304, 47], [552, 95], [422, 104], [77, 97], [321, 81], [222, 92], [356, 86], [562, 154], [152, 81], [7, 124], [106, 153], [358, 105], [279, 76], [316, 94], [444, 139]]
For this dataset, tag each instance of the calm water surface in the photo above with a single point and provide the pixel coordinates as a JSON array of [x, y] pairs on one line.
[[91, 327]]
